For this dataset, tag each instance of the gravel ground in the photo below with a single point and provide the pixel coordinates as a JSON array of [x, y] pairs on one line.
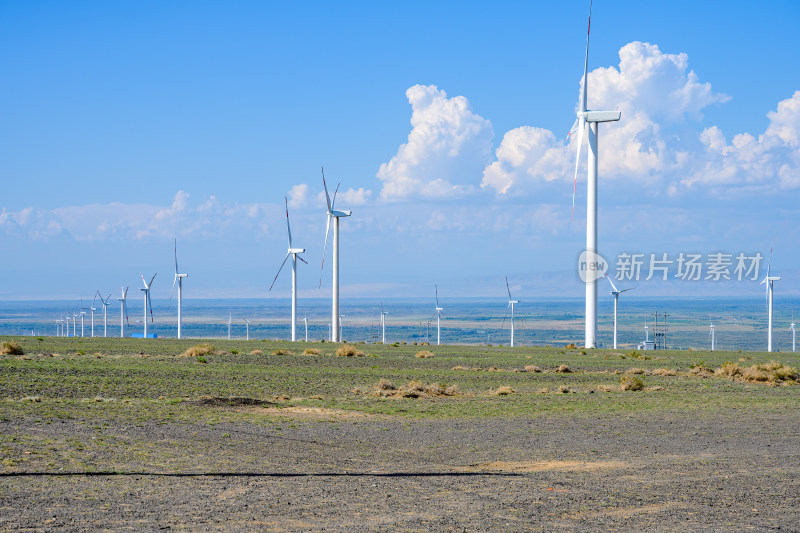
[[320, 471]]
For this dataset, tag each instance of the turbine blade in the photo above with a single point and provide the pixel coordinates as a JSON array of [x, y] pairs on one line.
[[174, 281], [324, 248], [151, 280], [150, 306], [612, 284], [505, 316], [333, 202], [279, 270], [509, 290], [581, 128], [176, 256], [327, 197], [107, 299], [301, 259], [586, 62], [288, 227], [437, 294]]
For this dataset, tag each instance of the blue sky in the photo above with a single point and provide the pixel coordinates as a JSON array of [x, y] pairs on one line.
[[125, 125]]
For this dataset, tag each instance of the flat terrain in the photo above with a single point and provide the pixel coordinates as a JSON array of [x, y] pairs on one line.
[[128, 434]]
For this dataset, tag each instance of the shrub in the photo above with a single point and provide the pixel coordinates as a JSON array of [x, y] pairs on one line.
[[459, 367], [634, 370], [311, 351], [198, 349], [424, 354], [772, 373], [729, 369], [234, 351], [532, 368], [571, 346], [664, 372], [505, 390], [563, 389], [256, 352], [563, 369], [11, 348], [201, 359], [631, 383], [348, 350], [281, 352], [634, 354]]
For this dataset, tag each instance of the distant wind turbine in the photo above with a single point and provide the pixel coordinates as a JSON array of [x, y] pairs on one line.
[[295, 255], [341, 327], [147, 304], [791, 327], [123, 312], [711, 334], [179, 280], [305, 319], [105, 312], [511, 303], [383, 324], [768, 280], [247, 325], [593, 118], [438, 314], [230, 319], [334, 215], [92, 308], [615, 293], [82, 314]]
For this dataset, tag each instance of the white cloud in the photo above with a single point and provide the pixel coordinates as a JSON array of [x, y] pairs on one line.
[[356, 197], [298, 195], [447, 148]]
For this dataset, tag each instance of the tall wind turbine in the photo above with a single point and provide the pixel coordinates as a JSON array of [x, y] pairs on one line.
[[247, 325], [105, 312], [295, 254], [791, 327], [147, 304], [768, 280], [511, 303], [438, 314], [179, 280], [123, 312], [305, 319], [383, 324], [593, 118], [711, 334], [615, 293], [92, 308], [82, 314], [335, 215]]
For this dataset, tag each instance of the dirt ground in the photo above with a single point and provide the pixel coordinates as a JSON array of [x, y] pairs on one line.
[[317, 470]]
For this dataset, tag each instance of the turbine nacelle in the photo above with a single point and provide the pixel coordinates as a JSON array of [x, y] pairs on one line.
[[297, 250]]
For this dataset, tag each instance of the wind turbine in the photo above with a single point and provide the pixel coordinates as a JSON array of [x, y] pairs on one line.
[[66, 334], [93, 309], [768, 280], [58, 327], [82, 314], [438, 314], [593, 118], [75, 324], [147, 304], [335, 215], [105, 312], [341, 327], [305, 319], [616, 292], [123, 312], [791, 327], [179, 280], [383, 324], [247, 325], [711, 334], [230, 318], [511, 303], [294, 253]]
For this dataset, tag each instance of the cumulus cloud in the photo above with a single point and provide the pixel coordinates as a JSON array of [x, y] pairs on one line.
[[447, 148], [298, 195]]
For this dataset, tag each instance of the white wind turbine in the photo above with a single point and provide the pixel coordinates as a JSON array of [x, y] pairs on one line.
[[335, 215], [82, 314], [123, 312], [147, 304], [247, 325], [615, 293], [75, 324], [295, 254], [305, 319], [105, 312], [230, 319], [59, 322], [66, 320], [791, 327], [511, 303], [438, 314], [92, 308], [383, 324], [711, 334], [179, 280], [593, 118], [341, 327], [768, 280]]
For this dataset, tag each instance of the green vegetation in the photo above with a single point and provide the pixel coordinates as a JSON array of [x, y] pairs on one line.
[[158, 379]]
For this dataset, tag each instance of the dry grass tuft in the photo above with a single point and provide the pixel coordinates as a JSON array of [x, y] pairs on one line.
[[348, 350], [198, 349], [631, 383], [33, 399], [729, 369], [563, 389], [505, 390], [635, 371], [607, 388], [532, 368], [563, 369], [424, 354], [664, 372], [256, 352], [311, 351], [571, 346], [544, 390], [772, 373], [701, 371], [11, 348], [281, 351], [459, 367], [414, 389]]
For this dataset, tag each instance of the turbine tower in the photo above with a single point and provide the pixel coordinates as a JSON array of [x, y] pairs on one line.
[[147, 304], [335, 215], [179, 280], [230, 319], [511, 303], [383, 324], [305, 319], [768, 281], [791, 327], [247, 325], [593, 118], [295, 255], [123, 312], [711, 334], [105, 312], [92, 308], [438, 314], [615, 293]]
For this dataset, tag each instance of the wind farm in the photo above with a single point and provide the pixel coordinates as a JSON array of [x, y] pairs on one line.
[[555, 405]]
